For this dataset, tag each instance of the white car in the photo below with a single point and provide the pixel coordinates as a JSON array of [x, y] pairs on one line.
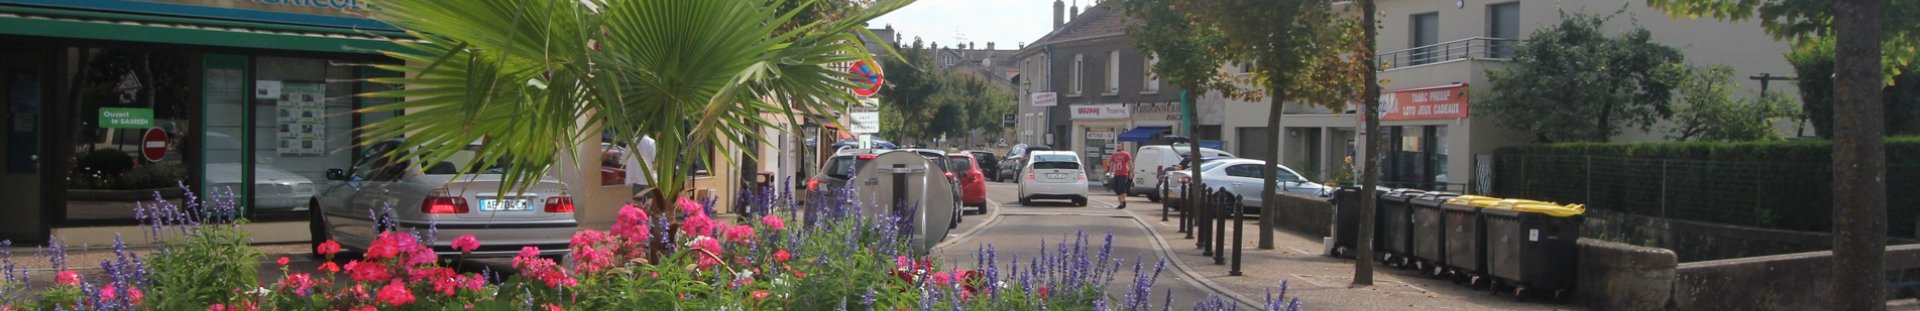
[[421, 194], [1150, 161], [1242, 177], [1053, 175]]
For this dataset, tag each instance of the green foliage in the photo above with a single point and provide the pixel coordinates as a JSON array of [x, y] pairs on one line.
[[911, 84], [1807, 21], [1188, 53], [529, 78], [108, 162], [1813, 67], [1707, 109], [1572, 82], [923, 100], [211, 264], [1302, 50], [1781, 184]]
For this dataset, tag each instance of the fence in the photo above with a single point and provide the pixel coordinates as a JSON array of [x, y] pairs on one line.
[[1779, 195], [1469, 48]]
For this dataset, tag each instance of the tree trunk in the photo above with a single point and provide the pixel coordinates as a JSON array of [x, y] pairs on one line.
[[1193, 149], [1859, 158], [1604, 127], [1369, 180], [1269, 184]]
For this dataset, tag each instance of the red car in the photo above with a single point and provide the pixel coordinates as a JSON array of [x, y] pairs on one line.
[[973, 183]]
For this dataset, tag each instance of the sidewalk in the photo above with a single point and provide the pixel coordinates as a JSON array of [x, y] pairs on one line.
[[1320, 281]]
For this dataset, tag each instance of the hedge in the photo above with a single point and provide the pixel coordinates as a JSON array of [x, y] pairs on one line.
[[1769, 184]]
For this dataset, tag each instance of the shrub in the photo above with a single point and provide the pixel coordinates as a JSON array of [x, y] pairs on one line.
[[210, 263]]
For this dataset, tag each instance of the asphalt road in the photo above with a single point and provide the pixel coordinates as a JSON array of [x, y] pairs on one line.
[[1014, 228]]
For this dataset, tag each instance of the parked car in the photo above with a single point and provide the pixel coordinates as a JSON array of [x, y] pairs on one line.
[[274, 190], [1009, 168], [989, 163], [1174, 179], [834, 173], [973, 182], [422, 195], [1053, 175], [940, 161], [1242, 177], [1151, 162]]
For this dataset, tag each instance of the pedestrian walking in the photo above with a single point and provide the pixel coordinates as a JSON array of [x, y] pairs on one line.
[[1120, 164]]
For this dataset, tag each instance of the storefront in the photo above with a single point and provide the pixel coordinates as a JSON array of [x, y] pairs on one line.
[[109, 101], [1096, 129]]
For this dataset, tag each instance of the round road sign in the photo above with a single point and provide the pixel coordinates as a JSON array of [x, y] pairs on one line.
[[154, 145], [867, 79]]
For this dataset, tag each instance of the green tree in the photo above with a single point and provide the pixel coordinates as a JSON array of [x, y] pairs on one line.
[[527, 78], [1186, 57], [1813, 67], [1707, 110], [1572, 82], [1302, 52], [1873, 41], [911, 85]]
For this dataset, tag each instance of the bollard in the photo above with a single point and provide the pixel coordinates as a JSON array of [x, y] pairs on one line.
[[1186, 223], [1239, 229], [1220, 229], [1204, 222]]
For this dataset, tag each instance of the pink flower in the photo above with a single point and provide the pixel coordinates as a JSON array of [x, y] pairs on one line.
[[711, 246], [466, 244], [1043, 292], [631, 224], [391, 244], [395, 294], [773, 222], [761, 294], [327, 248], [421, 255], [554, 307], [474, 282], [366, 308], [282, 261], [781, 256], [590, 260], [366, 271], [697, 224], [742, 234], [134, 295], [67, 277], [107, 293], [942, 279], [690, 207], [903, 263], [330, 267], [300, 283], [588, 237], [217, 307], [445, 284]]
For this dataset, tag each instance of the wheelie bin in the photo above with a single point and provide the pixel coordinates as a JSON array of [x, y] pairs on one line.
[[1392, 224], [1531, 246], [1465, 256], [1427, 238], [1346, 220]]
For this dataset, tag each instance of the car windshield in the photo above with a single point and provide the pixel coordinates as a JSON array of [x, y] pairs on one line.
[[1284, 175], [466, 158], [960, 164], [843, 167]]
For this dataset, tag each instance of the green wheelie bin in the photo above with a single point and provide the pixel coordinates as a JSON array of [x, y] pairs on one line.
[[1531, 246]]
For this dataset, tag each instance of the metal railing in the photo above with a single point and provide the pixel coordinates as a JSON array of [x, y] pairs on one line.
[[1469, 48]]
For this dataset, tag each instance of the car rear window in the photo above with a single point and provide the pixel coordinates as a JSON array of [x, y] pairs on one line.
[[1055, 165], [1054, 158], [960, 164], [465, 158], [843, 167]]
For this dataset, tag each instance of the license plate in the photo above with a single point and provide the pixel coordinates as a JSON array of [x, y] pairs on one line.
[[503, 204], [1057, 176]]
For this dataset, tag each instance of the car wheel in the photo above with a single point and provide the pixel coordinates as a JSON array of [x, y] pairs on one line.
[[959, 215], [1081, 202], [1026, 201], [317, 228], [1154, 196]]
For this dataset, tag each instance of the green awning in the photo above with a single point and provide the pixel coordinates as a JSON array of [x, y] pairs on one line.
[[140, 28]]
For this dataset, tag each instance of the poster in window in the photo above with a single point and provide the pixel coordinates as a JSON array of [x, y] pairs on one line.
[[302, 118]]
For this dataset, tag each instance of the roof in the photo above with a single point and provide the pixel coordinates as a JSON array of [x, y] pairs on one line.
[[1102, 20]]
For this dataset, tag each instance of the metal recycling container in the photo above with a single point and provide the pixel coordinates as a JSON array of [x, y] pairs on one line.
[[1392, 224], [1427, 237], [1460, 219], [1532, 245], [1346, 220]]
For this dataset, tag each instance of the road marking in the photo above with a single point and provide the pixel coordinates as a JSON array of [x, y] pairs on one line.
[[993, 216]]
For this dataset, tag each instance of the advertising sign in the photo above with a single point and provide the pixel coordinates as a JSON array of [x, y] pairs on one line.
[[1100, 111], [1426, 103], [126, 118], [864, 120], [1045, 99]]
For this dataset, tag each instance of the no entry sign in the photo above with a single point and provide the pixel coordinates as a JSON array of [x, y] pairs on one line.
[[154, 145]]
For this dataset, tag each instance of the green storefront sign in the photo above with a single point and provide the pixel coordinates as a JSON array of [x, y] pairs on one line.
[[126, 118]]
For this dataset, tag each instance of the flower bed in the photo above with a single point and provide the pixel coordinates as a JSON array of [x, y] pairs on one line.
[[834, 259]]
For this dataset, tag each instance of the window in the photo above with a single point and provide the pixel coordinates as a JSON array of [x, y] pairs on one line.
[[1425, 32], [960, 164], [1152, 84], [1113, 73], [1503, 22], [1243, 170], [1079, 66]]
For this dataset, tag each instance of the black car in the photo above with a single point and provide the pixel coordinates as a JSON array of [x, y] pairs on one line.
[[989, 163]]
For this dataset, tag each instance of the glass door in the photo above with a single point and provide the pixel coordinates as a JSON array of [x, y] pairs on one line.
[[23, 88]]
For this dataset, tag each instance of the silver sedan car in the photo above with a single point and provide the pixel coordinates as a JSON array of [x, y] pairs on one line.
[[422, 195]]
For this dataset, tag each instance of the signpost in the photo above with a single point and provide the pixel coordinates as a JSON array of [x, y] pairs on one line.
[[153, 145]]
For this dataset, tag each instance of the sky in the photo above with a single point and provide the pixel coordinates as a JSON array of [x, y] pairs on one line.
[[1006, 22]]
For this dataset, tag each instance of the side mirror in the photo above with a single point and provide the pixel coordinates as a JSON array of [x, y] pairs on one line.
[[336, 174]]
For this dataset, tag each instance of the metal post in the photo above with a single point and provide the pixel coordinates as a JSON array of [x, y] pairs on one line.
[[1205, 221], [1239, 230], [1186, 223], [1220, 230]]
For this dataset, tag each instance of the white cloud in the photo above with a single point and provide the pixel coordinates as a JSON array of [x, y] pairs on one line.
[[1006, 22]]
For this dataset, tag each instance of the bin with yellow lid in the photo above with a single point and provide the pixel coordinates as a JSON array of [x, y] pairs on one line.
[[1464, 256], [1427, 235], [1531, 245]]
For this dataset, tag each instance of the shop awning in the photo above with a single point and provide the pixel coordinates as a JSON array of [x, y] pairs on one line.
[[68, 23], [1141, 134]]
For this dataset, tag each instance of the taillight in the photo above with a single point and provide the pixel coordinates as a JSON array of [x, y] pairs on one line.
[[441, 203], [1081, 176], [560, 204], [951, 178], [1029, 175], [813, 184], [1186, 180], [864, 157]]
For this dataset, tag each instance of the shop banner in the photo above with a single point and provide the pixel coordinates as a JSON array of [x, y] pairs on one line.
[[1045, 99], [1426, 103], [1100, 112]]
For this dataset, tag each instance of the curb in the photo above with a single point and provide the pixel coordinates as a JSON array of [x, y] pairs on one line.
[[993, 216], [1160, 244]]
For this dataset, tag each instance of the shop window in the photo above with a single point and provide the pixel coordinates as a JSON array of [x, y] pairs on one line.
[[129, 131], [302, 126]]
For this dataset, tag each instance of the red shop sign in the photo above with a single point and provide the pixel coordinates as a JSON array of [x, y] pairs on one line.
[[1425, 103]]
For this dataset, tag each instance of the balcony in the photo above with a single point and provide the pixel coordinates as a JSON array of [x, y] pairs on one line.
[[1464, 49]]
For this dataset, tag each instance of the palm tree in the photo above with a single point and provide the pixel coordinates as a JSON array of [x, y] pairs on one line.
[[528, 78]]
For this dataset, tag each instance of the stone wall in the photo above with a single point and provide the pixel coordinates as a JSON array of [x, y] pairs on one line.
[[1798, 281], [1702, 241], [1616, 276], [1309, 215]]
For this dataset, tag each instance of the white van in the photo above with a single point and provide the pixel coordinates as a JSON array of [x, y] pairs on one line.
[[1150, 161]]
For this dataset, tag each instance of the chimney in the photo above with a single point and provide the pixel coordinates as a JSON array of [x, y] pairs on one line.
[[1059, 11], [1073, 13], [989, 45]]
